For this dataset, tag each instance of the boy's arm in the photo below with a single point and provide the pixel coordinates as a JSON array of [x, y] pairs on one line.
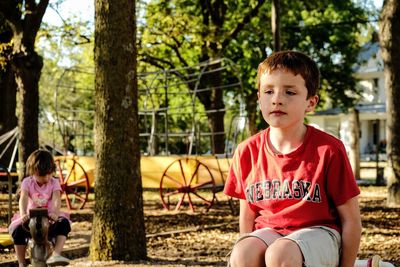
[[246, 218], [350, 218]]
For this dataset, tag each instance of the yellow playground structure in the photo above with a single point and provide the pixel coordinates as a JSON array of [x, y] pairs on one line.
[[194, 179]]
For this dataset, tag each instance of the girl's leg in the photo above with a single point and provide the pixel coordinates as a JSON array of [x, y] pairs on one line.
[[20, 237], [60, 241], [20, 251], [59, 231]]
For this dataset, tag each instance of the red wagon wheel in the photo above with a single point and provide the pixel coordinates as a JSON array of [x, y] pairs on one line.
[[187, 179], [74, 182]]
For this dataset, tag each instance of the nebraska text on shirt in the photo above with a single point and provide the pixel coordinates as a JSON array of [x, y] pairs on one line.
[[275, 189]]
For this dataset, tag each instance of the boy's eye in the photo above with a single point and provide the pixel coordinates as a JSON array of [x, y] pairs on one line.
[[268, 91], [290, 92]]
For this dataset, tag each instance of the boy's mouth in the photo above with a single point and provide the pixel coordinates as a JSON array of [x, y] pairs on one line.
[[277, 112]]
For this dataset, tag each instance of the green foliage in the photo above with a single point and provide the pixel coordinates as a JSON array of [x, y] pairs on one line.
[[176, 34], [328, 32], [181, 33], [67, 86]]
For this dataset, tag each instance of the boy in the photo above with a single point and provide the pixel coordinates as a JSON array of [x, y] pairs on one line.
[[298, 196]]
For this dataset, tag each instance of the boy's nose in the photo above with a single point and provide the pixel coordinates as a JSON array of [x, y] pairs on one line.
[[276, 99]]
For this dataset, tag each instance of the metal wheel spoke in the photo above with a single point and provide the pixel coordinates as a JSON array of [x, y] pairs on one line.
[[194, 173], [182, 172], [81, 181], [70, 172], [78, 196], [190, 203], [197, 186], [171, 193], [180, 202], [202, 198]]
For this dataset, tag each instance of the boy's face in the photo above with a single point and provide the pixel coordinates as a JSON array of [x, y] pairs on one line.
[[283, 99]]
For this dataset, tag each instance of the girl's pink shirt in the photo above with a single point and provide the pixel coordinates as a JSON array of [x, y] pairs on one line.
[[40, 195]]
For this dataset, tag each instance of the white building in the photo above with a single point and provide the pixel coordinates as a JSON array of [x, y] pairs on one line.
[[372, 107]]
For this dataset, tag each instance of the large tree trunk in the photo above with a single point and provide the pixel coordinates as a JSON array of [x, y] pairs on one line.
[[8, 87], [27, 69], [118, 223], [214, 106], [8, 119], [252, 112], [390, 43], [24, 19]]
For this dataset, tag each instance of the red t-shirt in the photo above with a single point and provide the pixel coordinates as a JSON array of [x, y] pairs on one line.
[[295, 190]]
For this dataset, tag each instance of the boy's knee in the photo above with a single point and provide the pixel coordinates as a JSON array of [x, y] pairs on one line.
[[283, 252], [247, 253]]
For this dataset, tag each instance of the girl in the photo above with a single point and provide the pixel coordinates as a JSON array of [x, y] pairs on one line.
[[40, 189]]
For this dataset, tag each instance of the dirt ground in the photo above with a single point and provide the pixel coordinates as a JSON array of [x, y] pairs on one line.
[[206, 237]]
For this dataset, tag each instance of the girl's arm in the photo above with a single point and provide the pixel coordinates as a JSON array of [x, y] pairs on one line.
[[23, 206], [350, 218], [56, 201], [246, 218]]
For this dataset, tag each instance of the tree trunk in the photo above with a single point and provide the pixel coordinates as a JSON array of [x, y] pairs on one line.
[[118, 223], [253, 113], [8, 119], [8, 87], [390, 42], [27, 69], [215, 111], [24, 19]]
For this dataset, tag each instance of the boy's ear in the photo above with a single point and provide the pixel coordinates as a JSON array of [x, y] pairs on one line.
[[312, 103]]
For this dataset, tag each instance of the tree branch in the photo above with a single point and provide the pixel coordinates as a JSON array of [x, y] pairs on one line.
[[177, 52], [156, 62], [33, 19], [239, 27], [10, 11]]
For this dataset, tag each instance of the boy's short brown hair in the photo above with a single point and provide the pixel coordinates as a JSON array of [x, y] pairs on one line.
[[295, 62], [40, 162]]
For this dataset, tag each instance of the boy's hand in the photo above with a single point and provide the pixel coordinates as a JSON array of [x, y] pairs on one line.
[[53, 216]]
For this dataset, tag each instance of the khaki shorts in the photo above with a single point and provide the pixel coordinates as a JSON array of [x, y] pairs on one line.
[[320, 245]]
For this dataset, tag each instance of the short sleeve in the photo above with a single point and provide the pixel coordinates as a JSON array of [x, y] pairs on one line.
[[25, 184], [233, 185], [56, 184], [341, 184]]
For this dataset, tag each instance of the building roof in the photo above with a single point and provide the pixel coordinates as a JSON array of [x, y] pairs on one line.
[[368, 52], [362, 108]]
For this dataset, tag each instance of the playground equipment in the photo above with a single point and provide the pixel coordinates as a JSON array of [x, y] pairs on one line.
[[74, 182], [190, 121], [39, 245], [182, 155]]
